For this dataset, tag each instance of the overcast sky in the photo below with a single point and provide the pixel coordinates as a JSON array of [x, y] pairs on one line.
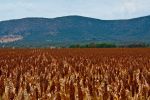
[[101, 9]]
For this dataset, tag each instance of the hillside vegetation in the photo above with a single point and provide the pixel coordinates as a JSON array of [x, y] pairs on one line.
[[76, 29]]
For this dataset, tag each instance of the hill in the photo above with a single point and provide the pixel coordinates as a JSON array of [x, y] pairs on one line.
[[68, 30]]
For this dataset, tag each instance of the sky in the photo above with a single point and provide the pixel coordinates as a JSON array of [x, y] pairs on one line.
[[101, 9]]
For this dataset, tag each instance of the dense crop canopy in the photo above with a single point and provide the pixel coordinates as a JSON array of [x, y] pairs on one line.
[[75, 74]]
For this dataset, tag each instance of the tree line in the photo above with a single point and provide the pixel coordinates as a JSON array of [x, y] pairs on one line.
[[110, 45]]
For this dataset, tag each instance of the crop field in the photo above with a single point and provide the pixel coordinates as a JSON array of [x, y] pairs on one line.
[[75, 74]]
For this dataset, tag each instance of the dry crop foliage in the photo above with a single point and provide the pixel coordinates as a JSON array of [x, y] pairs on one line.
[[75, 74]]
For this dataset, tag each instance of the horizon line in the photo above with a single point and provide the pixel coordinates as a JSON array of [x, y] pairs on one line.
[[73, 16]]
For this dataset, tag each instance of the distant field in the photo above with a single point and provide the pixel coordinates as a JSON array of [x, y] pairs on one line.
[[75, 74], [10, 38]]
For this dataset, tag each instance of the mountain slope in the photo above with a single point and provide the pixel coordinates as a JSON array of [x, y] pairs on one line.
[[76, 29]]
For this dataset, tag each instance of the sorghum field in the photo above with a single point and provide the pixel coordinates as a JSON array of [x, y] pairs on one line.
[[75, 74]]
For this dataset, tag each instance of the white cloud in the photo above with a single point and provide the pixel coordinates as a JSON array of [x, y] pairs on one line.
[[125, 9], [132, 7]]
